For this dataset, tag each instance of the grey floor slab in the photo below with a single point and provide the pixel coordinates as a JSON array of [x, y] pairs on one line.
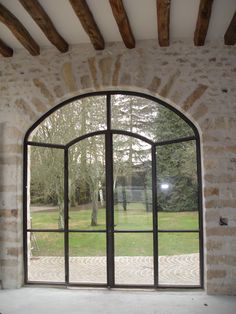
[[76, 301]]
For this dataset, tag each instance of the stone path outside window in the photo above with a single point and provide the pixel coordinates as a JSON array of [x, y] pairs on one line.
[[175, 269]]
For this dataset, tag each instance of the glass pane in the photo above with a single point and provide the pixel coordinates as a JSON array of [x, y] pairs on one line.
[[87, 185], [87, 257], [46, 188], [46, 257], [132, 183], [147, 118], [177, 186], [79, 117], [179, 259], [134, 258]]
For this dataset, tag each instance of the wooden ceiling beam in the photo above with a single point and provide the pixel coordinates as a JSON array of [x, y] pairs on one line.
[[41, 18], [5, 51], [19, 31], [122, 21], [204, 15], [163, 22], [230, 34], [86, 18]]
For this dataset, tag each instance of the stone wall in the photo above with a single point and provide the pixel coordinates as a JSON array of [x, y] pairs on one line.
[[198, 81]]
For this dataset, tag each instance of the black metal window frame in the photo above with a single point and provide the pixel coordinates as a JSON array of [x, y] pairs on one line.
[[110, 231]]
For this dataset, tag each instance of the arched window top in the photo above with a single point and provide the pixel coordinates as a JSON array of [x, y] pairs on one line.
[[76, 118], [123, 111]]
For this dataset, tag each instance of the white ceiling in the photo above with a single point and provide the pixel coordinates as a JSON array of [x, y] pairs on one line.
[[141, 13]]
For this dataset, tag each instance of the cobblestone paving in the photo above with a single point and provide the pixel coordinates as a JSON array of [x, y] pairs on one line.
[[176, 269]]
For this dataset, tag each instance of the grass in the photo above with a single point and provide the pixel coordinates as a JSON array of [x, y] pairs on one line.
[[126, 244]]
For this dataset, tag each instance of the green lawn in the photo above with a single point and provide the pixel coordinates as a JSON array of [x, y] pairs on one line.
[[126, 244]]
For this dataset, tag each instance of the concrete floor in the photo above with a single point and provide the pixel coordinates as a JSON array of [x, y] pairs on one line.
[[91, 301]]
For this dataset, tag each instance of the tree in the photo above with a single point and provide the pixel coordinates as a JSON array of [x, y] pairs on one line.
[[176, 164], [133, 114], [64, 125]]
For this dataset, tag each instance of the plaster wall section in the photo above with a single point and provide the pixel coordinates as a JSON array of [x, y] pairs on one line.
[[198, 81]]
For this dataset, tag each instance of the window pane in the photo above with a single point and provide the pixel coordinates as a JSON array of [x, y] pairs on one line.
[[134, 258], [87, 257], [177, 186], [80, 117], [147, 118], [179, 258], [132, 183], [46, 188], [87, 185], [46, 257]]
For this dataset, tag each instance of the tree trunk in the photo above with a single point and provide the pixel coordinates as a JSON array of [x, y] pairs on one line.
[[61, 213], [148, 209], [72, 194], [94, 216], [60, 204], [124, 199]]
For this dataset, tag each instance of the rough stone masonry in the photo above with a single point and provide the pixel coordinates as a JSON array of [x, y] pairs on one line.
[[198, 81]]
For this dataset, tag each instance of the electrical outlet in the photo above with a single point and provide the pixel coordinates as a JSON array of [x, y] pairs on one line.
[[223, 221]]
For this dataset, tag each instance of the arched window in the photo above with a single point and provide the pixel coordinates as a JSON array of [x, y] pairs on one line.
[[112, 194]]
